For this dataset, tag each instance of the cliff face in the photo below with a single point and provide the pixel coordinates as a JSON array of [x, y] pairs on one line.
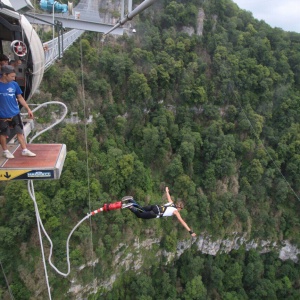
[[135, 258], [212, 247]]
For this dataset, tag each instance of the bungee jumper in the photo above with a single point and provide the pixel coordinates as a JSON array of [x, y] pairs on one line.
[[147, 212], [157, 211]]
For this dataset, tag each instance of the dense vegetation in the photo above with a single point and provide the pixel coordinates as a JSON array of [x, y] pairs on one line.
[[213, 116], [239, 275]]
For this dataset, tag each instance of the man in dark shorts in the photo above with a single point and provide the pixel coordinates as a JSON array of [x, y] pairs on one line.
[[10, 95]]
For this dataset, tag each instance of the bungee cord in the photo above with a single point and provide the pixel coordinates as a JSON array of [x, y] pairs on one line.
[[7, 283], [37, 214], [106, 207], [55, 123], [31, 191], [87, 153], [32, 194], [40, 225]]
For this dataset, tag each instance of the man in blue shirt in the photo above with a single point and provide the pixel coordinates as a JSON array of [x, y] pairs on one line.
[[10, 96]]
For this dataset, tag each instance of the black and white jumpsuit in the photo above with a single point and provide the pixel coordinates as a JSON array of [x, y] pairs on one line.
[[154, 211]]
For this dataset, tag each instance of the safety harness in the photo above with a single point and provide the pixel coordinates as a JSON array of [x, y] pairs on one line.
[[162, 208]]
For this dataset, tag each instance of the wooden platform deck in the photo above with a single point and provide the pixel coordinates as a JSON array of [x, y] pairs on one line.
[[47, 164]]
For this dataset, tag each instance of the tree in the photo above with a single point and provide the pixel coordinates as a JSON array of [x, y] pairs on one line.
[[170, 242], [143, 287], [163, 282], [217, 277], [20, 291], [150, 144], [233, 277], [68, 135], [175, 168], [72, 57], [68, 80], [138, 90], [173, 12], [265, 289], [187, 152], [184, 186], [195, 289], [255, 171]]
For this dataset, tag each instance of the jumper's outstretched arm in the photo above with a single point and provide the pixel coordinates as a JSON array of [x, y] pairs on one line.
[[178, 216], [168, 195], [183, 223]]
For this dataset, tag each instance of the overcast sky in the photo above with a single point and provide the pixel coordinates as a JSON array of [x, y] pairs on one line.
[[284, 14]]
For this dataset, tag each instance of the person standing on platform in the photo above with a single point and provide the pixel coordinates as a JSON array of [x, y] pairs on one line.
[[10, 96]]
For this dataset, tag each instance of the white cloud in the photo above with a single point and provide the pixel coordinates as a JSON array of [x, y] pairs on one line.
[[277, 13]]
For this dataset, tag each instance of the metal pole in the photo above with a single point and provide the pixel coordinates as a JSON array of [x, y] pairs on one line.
[[122, 9], [53, 19], [129, 6], [132, 14], [58, 39], [62, 40]]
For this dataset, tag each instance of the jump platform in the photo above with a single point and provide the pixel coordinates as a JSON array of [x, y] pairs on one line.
[[47, 164]]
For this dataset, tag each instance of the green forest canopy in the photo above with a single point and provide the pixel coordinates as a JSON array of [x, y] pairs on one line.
[[213, 116]]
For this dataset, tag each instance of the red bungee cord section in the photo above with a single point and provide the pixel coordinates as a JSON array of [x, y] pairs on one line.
[[107, 207]]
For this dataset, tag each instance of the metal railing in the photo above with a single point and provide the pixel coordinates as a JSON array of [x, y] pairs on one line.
[[54, 48]]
